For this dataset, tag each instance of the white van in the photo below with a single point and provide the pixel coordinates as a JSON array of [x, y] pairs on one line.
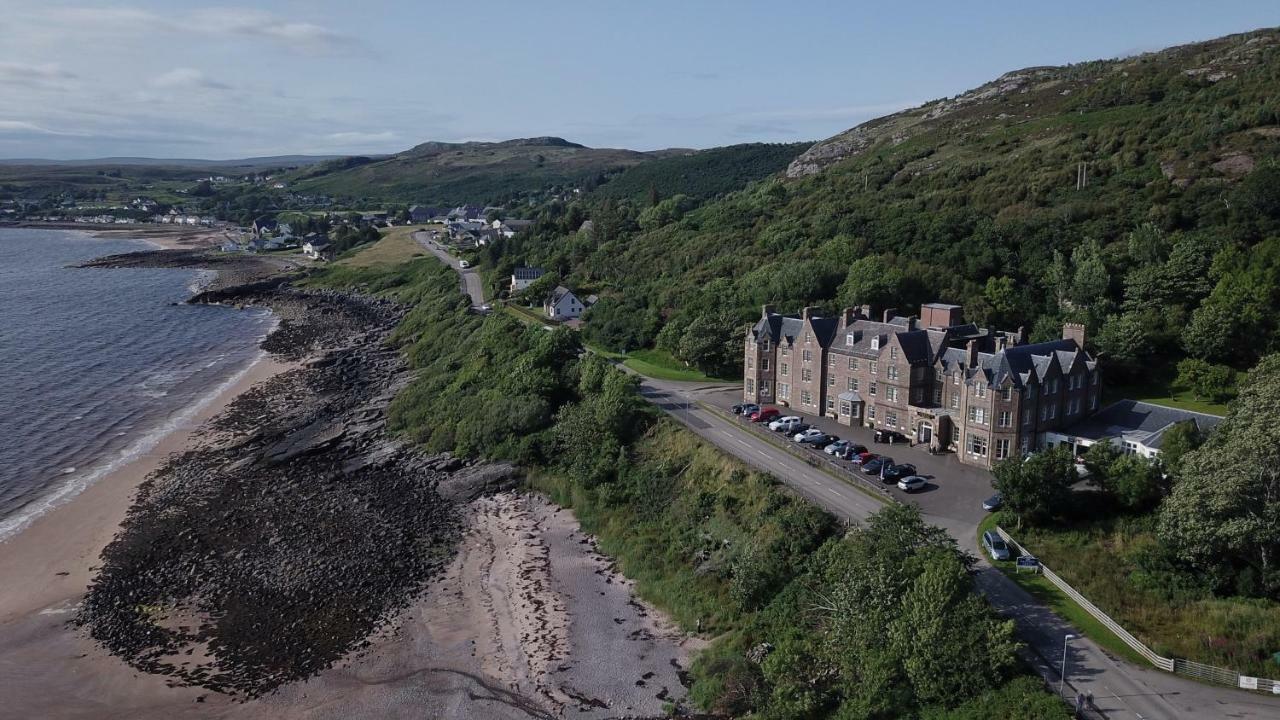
[[463, 264]]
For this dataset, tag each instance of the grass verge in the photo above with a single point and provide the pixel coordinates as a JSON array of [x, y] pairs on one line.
[[1048, 594]]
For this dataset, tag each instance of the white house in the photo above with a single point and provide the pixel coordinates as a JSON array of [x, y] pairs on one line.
[[562, 304], [1136, 427], [316, 250], [523, 277]]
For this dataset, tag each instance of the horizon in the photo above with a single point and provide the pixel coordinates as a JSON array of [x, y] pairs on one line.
[[213, 82]]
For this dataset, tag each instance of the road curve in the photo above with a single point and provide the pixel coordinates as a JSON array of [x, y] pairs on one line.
[[471, 282]]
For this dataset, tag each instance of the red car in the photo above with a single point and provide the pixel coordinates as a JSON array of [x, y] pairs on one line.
[[862, 458], [766, 415]]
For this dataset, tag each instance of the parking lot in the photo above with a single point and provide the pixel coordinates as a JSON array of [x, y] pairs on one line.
[[952, 496]]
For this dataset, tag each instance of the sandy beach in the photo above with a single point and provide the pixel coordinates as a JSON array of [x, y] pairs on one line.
[[524, 618]]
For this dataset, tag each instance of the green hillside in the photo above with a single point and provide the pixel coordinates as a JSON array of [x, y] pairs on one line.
[[701, 174], [1170, 247], [437, 173]]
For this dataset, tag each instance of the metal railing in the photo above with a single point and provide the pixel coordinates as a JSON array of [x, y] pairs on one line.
[[1180, 666]]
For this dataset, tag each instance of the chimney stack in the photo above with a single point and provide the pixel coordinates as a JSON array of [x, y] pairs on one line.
[[890, 314], [766, 311], [866, 312], [1002, 341], [807, 312], [911, 322], [971, 349], [1074, 331], [847, 316]]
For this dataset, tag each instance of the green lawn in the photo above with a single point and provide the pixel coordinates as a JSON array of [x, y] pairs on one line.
[[1104, 561], [658, 364], [526, 315], [1163, 393]]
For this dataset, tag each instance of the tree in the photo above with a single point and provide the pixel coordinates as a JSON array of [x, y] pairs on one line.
[[1223, 515], [1146, 244], [1090, 282], [1179, 440], [1215, 383], [872, 280], [1037, 487], [1135, 482], [1125, 340], [712, 344]]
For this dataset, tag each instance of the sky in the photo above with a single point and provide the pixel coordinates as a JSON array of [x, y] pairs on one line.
[[213, 80]]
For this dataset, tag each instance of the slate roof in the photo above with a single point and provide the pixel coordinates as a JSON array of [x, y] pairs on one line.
[[527, 273], [1139, 422], [560, 293]]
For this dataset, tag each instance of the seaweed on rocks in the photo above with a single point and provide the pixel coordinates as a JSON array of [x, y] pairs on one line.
[[297, 528]]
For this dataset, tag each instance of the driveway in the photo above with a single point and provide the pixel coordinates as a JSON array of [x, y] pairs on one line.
[[471, 282], [1120, 690]]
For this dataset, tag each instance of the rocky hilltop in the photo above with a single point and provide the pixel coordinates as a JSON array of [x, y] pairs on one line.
[[1024, 96]]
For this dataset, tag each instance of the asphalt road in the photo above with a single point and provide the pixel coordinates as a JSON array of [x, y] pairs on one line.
[[1120, 689], [471, 283]]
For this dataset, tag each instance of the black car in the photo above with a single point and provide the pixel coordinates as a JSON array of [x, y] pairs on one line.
[[894, 473], [872, 467], [889, 436], [851, 450]]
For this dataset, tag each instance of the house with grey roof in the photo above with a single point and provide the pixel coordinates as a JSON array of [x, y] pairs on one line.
[[936, 379], [562, 304], [523, 277], [1135, 427]]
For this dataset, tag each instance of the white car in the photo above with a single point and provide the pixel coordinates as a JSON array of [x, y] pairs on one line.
[[810, 434], [463, 264], [782, 422]]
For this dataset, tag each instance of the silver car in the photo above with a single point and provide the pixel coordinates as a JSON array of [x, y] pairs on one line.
[[995, 545]]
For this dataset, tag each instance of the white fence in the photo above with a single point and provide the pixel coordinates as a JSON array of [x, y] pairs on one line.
[[1200, 671]]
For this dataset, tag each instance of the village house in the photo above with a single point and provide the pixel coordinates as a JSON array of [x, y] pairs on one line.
[[939, 381], [509, 228], [562, 304], [422, 214], [317, 249], [523, 277]]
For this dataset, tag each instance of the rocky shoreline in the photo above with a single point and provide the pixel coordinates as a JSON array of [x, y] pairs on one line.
[[298, 527]]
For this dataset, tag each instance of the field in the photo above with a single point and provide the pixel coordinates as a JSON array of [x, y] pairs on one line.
[[396, 246]]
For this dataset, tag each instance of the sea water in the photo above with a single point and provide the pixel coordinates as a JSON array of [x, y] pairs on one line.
[[98, 365]]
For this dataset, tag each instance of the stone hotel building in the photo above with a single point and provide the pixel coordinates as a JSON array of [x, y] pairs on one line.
[[938, 380]]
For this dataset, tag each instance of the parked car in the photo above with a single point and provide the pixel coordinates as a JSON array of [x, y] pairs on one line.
[[995, 545], [463, 264], [911, 483], [889, 436], [784, 421], [897, 472], [821, 442], [836, 447], [810, 435], [872, 467], [993, 503], [863, 458], [764, 415], [852, 450], [744, 408]]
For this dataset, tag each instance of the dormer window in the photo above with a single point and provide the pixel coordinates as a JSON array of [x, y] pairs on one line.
[[849, 340]]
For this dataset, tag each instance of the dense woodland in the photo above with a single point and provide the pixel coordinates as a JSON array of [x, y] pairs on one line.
[[809, 621], [1170, 250]]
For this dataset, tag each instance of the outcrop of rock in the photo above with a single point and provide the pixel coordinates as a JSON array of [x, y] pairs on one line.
[[298, 527]]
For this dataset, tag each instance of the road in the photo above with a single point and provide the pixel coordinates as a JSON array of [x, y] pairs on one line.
[[1120, 689], [471, 283]]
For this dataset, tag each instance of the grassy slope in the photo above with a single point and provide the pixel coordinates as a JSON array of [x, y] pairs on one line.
[[1100, 561], [703, 173], [396, 246], [470, 173]]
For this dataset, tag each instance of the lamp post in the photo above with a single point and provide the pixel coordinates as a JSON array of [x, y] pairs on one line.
[[1062, 679]]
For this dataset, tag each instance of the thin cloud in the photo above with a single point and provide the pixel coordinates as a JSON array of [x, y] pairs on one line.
[[22, 127], [300, 36], [34, 75], [355, 137], [187, 78]]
